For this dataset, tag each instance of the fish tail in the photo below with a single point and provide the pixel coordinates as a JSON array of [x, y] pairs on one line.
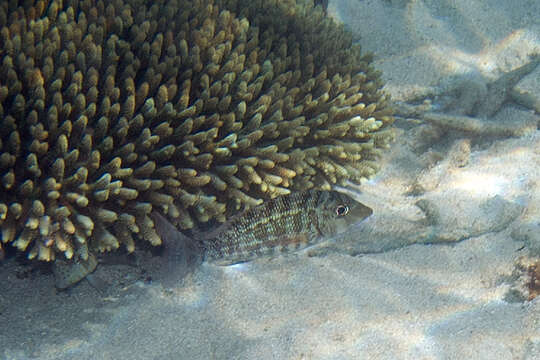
[[181, 253]]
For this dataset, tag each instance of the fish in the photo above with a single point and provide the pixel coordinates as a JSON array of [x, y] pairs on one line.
[[281, 225], [67, 273]]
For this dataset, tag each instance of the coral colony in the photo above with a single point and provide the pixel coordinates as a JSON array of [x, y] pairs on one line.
[[111, 110]]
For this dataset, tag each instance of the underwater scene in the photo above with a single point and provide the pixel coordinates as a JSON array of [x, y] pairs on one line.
[[269, 179]]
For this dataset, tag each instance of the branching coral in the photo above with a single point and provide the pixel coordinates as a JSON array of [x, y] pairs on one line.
[[112, 109]]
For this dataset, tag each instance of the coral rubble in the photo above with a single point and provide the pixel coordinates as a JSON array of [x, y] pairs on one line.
[[110, 110], [474, 106]]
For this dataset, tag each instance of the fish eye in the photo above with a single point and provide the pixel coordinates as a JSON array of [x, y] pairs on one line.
[[342, 210]]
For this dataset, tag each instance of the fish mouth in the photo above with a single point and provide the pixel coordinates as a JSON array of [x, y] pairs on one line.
[[356, 210], [359, 212]]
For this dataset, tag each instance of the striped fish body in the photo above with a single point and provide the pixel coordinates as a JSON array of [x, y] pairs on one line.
[[287, 223]]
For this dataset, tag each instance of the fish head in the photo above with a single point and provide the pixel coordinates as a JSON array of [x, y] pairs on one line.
[[338, 212]]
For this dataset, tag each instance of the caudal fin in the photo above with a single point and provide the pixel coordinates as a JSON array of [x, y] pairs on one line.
[[181, 253]]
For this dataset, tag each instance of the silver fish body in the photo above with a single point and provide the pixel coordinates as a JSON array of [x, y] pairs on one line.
[[284, 224]]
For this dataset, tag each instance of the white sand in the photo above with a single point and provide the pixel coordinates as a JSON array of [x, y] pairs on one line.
[[417, 302]]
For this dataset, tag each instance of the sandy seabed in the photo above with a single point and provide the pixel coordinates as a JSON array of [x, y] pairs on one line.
[[438, 272]]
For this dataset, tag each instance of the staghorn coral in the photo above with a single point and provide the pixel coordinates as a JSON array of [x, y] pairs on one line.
[[113, 109]]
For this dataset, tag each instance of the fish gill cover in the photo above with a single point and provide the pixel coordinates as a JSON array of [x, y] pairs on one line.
[[110, 110]]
